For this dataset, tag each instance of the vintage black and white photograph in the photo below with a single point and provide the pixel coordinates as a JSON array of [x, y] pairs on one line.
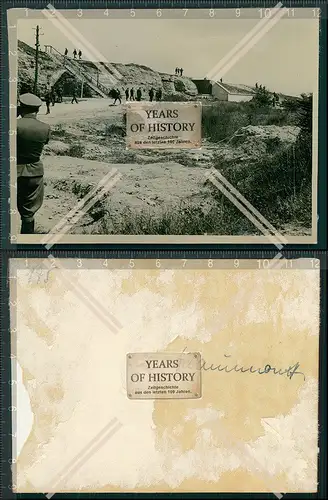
[[243, 169]]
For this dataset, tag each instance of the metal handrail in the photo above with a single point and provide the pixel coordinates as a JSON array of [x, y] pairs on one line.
[[76, 68]]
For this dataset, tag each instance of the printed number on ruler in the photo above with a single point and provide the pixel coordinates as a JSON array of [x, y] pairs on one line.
[[265, 13]]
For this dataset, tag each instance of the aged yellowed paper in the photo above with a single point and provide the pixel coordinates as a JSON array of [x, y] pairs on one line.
[[255, 427]]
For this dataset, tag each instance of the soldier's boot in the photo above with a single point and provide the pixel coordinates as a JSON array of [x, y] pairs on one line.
[[27, 227]]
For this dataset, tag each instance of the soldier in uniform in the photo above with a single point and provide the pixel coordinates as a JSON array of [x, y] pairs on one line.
[[31, 137], [74, 99], [47, 99]]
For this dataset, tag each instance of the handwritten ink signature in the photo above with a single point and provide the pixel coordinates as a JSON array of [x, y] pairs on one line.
[[290, 372]]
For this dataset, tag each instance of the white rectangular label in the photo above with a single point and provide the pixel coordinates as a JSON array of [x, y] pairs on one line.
[[163, 125], [164, 375]]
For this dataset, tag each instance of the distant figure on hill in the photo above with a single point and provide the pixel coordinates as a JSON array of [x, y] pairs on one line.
[[66, 52], [221, 80], [158, 94], [256, 85], [80, 54], [127, 94], [139, 94], [74, 99], [176, 71], [151, 95], [131, 95], [74, 53], [181, 71]]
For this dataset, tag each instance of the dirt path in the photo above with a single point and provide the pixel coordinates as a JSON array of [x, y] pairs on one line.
[[66, 112]]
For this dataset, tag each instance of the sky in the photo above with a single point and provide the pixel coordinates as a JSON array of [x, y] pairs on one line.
[[285, 59]]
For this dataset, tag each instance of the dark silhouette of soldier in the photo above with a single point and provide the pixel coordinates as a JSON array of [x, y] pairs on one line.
[[74, 99], [74, 53], [80, 54], [117, 96], [131, 95], [66, 52], [60, 94], [158, 94], [139, 94], [256, 85], [221, 80], [151, 95], [47, 99], [127, 94], [53, 97], [176, 71], [181, 71], [32, 135]]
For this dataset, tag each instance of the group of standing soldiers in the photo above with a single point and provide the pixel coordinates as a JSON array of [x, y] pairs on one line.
[[75, 53], [129, 94], [178, 71]]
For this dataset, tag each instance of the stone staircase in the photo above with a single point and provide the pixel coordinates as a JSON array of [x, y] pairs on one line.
[[75, 68]]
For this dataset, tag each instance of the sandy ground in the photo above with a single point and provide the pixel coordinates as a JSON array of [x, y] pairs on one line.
[[141, 187], [151, 181], [67, 112]]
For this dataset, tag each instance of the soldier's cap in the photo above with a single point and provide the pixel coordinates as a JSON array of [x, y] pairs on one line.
[[30, 100]]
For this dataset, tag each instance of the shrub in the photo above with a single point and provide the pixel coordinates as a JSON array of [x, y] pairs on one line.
[[174, 98], [179, 86], [221, 120], [76, 150]]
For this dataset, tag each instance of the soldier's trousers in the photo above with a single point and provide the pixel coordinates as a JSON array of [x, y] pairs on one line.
[[30, 192]]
